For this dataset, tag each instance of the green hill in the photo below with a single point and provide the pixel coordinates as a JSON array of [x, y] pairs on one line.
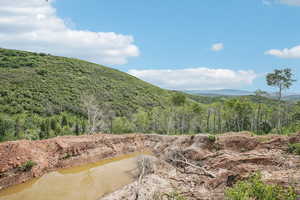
[[41, 83], [40, 97]]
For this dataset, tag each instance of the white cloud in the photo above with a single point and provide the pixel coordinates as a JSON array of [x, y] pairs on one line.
[[217, 47], [290, 2], [293, 52], [33, 25], [287, 2], [196, 78]]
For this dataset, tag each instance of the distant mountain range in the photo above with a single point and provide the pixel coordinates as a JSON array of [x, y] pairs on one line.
[[222, 92], [233, 92]]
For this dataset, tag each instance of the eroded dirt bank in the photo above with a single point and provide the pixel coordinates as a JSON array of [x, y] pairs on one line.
[[61, 152], [210, 165]]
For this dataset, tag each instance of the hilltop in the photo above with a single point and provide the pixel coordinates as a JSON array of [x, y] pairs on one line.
[[41, 83]]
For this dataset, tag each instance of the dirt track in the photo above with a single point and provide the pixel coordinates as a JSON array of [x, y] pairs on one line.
[[231, 157]]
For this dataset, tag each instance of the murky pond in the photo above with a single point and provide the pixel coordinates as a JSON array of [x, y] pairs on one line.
[[87, 182]]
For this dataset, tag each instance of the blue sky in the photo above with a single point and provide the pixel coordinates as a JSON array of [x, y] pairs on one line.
[[169, 43]]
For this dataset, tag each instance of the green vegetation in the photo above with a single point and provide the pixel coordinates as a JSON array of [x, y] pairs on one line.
[[255, 188], [40, 92], [281, 79], [294, 148], [212, 138], [27, 166], [45, 85], [43, 96]]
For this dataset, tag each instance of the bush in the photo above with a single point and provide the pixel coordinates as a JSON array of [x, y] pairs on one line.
[[294, 148], [27, 166], [255, 188], [212, 138]]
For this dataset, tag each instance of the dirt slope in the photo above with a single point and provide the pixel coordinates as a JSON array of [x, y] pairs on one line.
[[213, 165]]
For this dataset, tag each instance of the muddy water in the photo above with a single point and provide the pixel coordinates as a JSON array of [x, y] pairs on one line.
[[87, 182]]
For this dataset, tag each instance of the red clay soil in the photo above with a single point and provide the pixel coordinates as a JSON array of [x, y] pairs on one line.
[[231, 157], [60, 152]]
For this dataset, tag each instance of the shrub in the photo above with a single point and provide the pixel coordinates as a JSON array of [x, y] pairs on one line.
[[41, 72], [27, 166], [212, 138], [294, 148], [255, 188], [42, 54]]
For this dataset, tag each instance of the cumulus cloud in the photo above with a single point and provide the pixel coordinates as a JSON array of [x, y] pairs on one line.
[[287, 2], [196, 78], [33, 25], [217, 47], [293, 52]]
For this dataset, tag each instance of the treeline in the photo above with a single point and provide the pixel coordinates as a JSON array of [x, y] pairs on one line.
[[235, 114], [182, 116], [35, 127]]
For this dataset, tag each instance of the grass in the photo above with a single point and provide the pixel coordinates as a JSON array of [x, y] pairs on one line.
[[294, 148], [27, 166]]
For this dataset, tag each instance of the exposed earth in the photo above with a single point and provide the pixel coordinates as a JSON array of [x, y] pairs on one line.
[[197, 167]]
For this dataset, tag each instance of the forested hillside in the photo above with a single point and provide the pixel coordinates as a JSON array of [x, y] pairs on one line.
[[45, 84], [43, 96]]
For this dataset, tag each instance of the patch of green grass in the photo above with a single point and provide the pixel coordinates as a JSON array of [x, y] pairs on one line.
[[294, 148], [255, 188], [27, 166]]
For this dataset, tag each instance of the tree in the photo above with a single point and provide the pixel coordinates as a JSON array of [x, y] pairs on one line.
[[6, 127], [64, 121], [18, 127], [45, 128], [261, 93], [3, 127], [283, 79], [83, 126], [141, 121], [53, 124], [77, 128], [111, 115], [94, 114], [122, 125]]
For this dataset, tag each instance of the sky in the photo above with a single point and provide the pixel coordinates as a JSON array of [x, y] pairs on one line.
[[183, 45]]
